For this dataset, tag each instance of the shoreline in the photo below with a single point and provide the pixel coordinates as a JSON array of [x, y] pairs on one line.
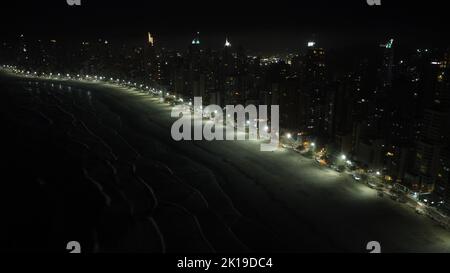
[[274, 200]]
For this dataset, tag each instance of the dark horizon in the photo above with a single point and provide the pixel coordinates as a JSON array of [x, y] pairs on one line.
[[284, 26]]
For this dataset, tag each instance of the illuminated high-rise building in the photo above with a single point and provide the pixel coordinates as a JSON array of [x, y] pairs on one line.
[[313, 80], [434, 135], [442, 93], [151, 41], [387, 64], [196, 40], [227, 43]]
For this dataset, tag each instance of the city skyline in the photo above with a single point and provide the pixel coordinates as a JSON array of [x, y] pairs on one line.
[[336, 24], [230, 75], [226, 127]]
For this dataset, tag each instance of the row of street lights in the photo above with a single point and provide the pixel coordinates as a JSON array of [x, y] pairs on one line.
[[154, 91]]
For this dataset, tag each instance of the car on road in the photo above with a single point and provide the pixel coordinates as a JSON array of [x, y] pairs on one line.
[[356, 177], [420, 211], [338, 169], [394, 197]]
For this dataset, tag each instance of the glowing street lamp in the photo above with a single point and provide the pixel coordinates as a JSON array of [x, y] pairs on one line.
[[343, 157]]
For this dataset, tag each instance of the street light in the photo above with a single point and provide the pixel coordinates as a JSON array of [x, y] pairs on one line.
[[343, 157], [290, 140]]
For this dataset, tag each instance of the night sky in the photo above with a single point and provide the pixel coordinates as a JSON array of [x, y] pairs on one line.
[[259, 25]]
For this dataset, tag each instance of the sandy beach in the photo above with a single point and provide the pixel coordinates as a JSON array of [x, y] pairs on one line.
[[96, 163]]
